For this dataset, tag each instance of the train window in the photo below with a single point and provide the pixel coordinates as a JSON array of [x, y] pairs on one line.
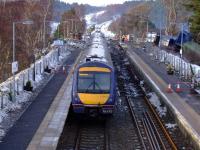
[[102, 82], [94, 82], [85, 83]]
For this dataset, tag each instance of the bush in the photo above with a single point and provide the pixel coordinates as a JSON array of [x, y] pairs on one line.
[[47, 70], [10, 96], [191, 51], [28, 86]]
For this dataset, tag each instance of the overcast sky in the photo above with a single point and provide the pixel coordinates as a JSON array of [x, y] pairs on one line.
[[96, 2]]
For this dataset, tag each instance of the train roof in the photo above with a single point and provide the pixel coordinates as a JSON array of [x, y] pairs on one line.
[[98, 49], [95, 64]]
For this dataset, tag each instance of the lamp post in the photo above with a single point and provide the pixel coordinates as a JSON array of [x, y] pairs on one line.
[[160, 35], [147, 28], [181, 50], [182, 26], [44, 33], [15, 63], [34, 66], [65, 29]]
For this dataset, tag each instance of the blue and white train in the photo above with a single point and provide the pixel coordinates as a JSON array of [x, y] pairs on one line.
[[94, 83]]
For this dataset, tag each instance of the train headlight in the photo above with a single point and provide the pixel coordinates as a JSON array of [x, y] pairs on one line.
[[110, 100], [76, 98]]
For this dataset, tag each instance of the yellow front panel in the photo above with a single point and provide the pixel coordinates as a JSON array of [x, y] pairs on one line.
[[95, 69], [93, 99]]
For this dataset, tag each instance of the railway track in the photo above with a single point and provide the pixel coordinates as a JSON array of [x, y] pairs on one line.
[[150, 129], [84, 134], [92, 135]]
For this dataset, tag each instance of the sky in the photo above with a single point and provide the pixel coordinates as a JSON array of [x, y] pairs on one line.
[[96, 2]]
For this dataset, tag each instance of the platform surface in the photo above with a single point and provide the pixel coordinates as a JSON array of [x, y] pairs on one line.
[[22, 132]]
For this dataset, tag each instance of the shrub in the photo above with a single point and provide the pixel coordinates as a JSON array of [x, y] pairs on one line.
[[28, 86], [10, 96], [191, 51], [47, 70]]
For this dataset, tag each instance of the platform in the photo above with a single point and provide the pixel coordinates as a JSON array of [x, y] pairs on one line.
[[49, 131], [21, 134], [186, 116]]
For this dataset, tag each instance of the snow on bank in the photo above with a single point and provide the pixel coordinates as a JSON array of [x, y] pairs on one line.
[[104, 29], [54, 26], [156, 102], [89, 18], [104, 26], [7, 104]]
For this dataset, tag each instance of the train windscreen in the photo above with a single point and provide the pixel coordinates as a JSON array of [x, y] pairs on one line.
[[94, 82]]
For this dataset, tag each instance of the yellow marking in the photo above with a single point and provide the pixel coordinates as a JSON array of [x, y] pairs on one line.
[[99, 69], [93, 99], [83, 74]]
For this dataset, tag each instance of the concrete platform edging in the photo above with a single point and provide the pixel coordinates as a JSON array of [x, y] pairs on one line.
[[182, 120], [49, 131]]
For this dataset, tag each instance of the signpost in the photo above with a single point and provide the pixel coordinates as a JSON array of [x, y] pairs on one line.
[[14, 66]]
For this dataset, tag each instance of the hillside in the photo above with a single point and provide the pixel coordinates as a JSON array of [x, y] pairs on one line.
[[61, 7], [115, 10]]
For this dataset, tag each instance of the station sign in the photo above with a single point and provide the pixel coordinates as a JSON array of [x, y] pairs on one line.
[[14, 66]]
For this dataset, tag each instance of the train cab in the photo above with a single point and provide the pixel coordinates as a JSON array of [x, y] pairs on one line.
[[94, 88]]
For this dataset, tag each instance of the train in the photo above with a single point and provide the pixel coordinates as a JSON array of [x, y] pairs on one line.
[[94, 80]]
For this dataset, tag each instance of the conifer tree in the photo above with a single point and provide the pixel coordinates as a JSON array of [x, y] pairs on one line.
[[194, 6]]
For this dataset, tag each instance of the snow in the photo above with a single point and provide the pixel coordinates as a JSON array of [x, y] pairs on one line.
[[54, 26], [100, 13], [104, 26], [90, 16], [156, 102], [3, 114], [58, 43], [97, 47], [51, 60], [104, 29], [4, 89], [2, 132], [170, 125]]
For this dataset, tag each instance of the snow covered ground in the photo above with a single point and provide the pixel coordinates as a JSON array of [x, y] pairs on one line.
[[54, 26], [7, 104], [104, 29], [90, 17], [162, 110], [104, 26]]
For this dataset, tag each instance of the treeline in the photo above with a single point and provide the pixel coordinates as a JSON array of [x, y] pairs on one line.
[[169, 14], [29, 38], [194, 6], [72, 24], [115, 10], [60, 7], [135, 20]]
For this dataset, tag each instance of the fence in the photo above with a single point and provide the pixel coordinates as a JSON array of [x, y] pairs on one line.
[[51, 60], [183, 69]]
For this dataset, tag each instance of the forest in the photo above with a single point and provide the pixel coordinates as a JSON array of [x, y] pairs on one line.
[[28, 38], [31, 39]]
